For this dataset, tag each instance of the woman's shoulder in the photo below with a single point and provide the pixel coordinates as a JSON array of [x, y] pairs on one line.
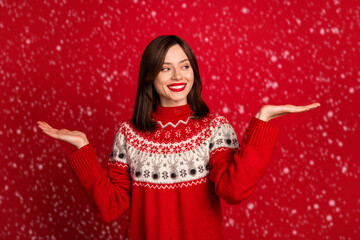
[[125, 126], [217, 119], [213, 121]]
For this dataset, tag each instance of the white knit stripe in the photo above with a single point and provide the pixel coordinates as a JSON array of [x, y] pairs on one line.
[[170, 148], [174, 125], [153, 163], [171, 186], [181, 164]]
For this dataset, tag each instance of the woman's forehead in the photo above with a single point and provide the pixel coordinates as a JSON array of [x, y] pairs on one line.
[[175, 54]]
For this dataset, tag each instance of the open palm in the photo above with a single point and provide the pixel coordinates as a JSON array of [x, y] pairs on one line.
[[268, 112], [76, 138]]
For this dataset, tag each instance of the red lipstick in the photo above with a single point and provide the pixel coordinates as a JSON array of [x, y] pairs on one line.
[[177, 87]]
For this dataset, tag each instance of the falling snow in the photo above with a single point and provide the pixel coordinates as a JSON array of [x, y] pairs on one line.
[[75, 66]]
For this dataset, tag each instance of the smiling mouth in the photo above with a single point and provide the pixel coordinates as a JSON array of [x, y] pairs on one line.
[[177, 88]]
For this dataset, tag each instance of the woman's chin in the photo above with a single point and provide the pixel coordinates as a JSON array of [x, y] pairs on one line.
[[173, 103]]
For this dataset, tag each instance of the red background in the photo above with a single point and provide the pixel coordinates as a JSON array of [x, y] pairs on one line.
[[75, 65]]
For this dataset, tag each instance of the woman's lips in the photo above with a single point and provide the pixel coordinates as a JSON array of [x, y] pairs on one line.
[[177, 87]]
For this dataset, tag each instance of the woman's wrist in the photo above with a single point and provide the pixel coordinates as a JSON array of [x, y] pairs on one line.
[[261, 116], [85, 142]]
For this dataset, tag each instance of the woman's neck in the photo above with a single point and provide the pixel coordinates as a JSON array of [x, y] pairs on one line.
[[172, 114]]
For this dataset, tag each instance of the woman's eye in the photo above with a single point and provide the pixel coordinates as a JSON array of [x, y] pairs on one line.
[[165, 69], [186, 66]]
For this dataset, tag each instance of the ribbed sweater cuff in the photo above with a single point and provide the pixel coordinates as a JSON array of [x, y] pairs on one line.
[[261, 133], [83, 160]]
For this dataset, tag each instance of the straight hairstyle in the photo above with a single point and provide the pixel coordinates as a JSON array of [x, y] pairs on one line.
[[147, 99]]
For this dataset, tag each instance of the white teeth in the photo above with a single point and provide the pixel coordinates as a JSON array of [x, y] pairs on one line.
[[177, 87]]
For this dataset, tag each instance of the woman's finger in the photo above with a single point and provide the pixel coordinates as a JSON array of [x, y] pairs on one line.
[[42, 125], [315, 105], [302, 108], [51, 134], [295, 109], [47, 125]]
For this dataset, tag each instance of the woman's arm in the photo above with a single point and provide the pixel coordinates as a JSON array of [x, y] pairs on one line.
[[235, 171], [109, 191]]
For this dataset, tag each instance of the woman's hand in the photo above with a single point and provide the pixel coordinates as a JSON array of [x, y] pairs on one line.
[[76, 138], [268, 112]]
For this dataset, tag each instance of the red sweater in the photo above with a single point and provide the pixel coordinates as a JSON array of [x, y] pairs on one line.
[[172, 179]]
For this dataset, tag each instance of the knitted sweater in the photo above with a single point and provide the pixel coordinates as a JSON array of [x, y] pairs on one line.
[[172, 179]]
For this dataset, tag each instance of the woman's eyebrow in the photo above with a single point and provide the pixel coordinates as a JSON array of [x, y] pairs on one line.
[[184, 60]]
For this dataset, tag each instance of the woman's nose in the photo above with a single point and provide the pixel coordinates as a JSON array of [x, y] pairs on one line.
[[176, 74]]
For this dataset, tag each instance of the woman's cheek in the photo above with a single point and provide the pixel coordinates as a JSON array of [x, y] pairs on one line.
[[190, 75]]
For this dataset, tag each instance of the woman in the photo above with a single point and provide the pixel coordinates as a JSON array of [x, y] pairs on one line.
[[173, 161]]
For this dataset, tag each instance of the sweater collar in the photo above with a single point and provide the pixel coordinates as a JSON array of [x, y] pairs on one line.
[[172, 114]]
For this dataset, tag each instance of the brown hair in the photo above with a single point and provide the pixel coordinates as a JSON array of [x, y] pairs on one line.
[[147, 99]]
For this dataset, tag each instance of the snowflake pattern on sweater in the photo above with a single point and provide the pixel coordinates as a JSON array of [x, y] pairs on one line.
[[175, 176], [150, 158]]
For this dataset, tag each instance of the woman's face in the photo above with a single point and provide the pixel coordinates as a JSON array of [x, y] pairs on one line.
[[175, 78]]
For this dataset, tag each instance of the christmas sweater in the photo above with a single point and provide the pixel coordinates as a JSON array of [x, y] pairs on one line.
[[172, 179]]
